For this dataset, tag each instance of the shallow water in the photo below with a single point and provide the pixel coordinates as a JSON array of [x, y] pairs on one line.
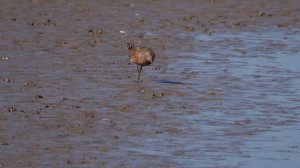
[[247, 99], [69, 98]]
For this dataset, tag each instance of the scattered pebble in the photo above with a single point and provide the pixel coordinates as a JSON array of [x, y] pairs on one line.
[[32, 24], [30, 83], [76, 106], [11, 109], [36, 112], [39, 97], [99, 31], [89, 114], [236, 25], [158, 132], [260, 13], [43, 13], [130, 5], [122, 32], [95, 31], [125, 108], [140, 20], [4, 58], [142, 90], [283, 25], [7, 80], [207, 31]]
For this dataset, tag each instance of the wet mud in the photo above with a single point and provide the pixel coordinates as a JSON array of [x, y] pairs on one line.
[[224, 90]]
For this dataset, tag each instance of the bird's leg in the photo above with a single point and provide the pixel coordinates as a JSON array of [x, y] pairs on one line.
[[139, 69]]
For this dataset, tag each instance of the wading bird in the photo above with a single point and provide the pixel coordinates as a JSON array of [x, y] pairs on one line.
[[141, 56]]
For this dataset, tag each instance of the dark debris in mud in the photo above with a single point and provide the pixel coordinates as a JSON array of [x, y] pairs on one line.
[[39, 96], [7, 80], [11, 109], [30, 83]]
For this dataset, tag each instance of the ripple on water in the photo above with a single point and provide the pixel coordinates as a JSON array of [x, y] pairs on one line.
[[257, 105]]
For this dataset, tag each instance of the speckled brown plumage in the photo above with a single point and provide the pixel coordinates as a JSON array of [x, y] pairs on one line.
[[141, 56]]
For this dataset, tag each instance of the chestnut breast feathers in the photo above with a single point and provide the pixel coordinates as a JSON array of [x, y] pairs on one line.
[[141, 55]]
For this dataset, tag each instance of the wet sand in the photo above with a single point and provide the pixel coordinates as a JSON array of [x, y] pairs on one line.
[[224, 90]]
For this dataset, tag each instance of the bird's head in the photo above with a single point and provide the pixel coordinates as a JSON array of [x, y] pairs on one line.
[[130, 45]]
